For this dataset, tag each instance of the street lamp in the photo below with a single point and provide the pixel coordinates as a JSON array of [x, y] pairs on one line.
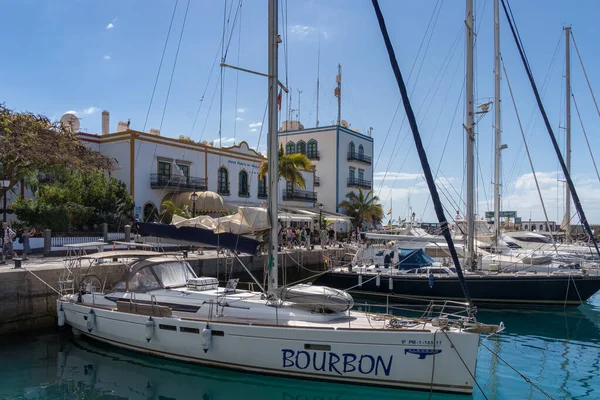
[[5, 184], [320, 216], [194, 197]]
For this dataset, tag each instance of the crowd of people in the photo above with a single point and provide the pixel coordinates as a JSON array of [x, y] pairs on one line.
[[304, 237]]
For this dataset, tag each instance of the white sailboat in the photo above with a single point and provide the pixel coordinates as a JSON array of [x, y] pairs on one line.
[[162, 308]]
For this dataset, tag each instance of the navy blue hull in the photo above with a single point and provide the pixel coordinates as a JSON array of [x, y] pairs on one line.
[[201, 236], [486, 291]]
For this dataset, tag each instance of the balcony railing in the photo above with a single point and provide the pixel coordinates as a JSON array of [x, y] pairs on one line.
[[314, 155], [262, 195], [162, 181], [302, 195], [357, 182], [354, 156], [317, 181]]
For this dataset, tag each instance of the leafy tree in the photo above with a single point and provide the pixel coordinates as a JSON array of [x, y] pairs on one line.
[[74, 200], [31, 142], [169, 209], [290, 167], [367, 205]]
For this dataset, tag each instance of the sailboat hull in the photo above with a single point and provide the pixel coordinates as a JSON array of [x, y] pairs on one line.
[[417, 359], [514, 290]]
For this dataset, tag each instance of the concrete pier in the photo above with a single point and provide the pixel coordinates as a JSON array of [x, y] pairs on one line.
[[27, 303]]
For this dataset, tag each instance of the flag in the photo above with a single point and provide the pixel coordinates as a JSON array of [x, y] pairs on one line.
[[389, 212], [279, 100]]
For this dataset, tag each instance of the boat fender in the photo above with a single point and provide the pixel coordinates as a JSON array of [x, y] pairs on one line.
[[206, 338], [431, 280], [91, 320], [61, 316], [391, 284], [88, 287], [359, 280], [149, 329], [378, 280]]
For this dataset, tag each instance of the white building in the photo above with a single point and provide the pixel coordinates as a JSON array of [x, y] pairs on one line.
[[343, 159], [156, 168]]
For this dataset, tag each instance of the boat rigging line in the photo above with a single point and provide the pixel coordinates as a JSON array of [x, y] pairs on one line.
[[528, 380], [162, 118], [537, 184], [409, 76], [421, 151], [566, 172], [585, 135], [162, 57]]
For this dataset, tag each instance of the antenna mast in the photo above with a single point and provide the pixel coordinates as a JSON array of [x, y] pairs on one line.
[[338, 93], [318, 74], [298, 114]]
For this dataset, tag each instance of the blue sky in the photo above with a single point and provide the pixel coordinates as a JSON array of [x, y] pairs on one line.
[[88, 56]]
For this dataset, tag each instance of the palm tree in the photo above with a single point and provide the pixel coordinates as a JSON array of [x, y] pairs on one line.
[[290, 167], [367, 205]]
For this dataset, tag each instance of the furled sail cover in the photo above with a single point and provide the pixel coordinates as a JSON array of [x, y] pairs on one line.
[[247, 221]]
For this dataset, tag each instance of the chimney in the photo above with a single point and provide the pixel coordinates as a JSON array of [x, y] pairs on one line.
[[105, 123]]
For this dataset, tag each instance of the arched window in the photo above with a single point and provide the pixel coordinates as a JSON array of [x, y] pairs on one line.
[[243, 184], [526, 227], [223, 181], [262, 188], [313, 149], [361, 150], [290, 148], [150, 213], [301, 147], [542, 227], [351, 149]]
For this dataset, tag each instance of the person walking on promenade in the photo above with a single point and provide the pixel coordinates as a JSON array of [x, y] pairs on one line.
[[7, 237]]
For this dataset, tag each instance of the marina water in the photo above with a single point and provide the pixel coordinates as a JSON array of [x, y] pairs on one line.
[[559, 350]]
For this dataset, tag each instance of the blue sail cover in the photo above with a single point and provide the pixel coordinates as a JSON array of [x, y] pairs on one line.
[[413, 258], [229, 241]]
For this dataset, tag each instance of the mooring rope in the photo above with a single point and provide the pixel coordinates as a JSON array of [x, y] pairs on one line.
[[465, 364]]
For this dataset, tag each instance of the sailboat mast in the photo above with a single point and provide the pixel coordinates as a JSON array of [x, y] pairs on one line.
[[568, 131], [469, 127], [497, 131], [273, 151]]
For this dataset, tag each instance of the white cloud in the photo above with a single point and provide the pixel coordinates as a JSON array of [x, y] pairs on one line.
[[91, 110], [239, 119], [304, 31], [253, 130], [241, 110], [223, 141], [393, 176], [106, 57], [522, 196], [255, 125], [110, 26]]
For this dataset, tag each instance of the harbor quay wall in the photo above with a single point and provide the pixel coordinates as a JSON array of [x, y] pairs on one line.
[[27, 302]]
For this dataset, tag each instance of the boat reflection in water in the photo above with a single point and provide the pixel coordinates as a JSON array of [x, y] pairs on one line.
[[100, 370]]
